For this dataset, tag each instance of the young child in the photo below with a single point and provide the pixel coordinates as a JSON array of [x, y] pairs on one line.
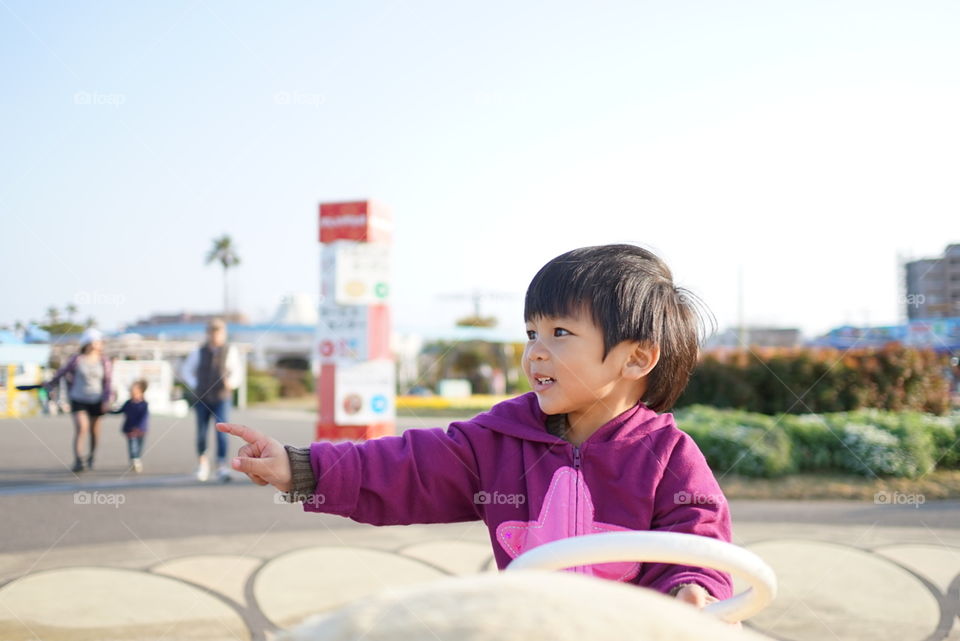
[[135, 417], [611, 344]]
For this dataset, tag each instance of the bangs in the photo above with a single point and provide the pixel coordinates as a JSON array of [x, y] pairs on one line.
[[558, 289]]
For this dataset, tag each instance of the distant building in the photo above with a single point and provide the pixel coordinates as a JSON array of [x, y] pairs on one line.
[[186, 318], [941, 335], [756, 337], [296, 309], [933, 286]]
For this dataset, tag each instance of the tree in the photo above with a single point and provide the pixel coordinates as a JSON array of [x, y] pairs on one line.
[[477, 321], [56, 326], [224, 252], [71, 310]]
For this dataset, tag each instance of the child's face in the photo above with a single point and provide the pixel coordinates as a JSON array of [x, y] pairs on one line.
[[136, 392], [564, 362]]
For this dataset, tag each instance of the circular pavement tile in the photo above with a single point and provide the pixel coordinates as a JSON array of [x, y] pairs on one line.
[[456, 557], [298, 584], [940, 564], [848, 593], [110, 604], [224, 574]]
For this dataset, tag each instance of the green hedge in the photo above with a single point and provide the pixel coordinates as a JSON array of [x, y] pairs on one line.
[[797, 381], [866, 442], [262, 387], [740, 442]]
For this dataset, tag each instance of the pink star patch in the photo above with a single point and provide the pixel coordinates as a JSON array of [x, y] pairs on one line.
[[567, 511]]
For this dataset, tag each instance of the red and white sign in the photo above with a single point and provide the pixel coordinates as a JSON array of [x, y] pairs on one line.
[[362, 273], [362, 220], [364, 393], [356, 389]]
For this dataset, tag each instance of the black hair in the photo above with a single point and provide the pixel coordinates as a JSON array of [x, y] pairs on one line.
[[629, 293]]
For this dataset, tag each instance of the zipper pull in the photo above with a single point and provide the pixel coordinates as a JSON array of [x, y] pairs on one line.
[[576, 457]]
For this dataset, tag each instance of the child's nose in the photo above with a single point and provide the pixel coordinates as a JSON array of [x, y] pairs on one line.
[[536, 351]]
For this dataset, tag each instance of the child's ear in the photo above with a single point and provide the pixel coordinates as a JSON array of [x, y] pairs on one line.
[[641, 361]]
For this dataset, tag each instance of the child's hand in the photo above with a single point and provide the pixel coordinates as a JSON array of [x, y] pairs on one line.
[[263, 459], [698, 597]]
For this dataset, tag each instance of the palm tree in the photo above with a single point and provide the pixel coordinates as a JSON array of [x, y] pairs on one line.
[[224, 252], [71, 310], [53, 314]]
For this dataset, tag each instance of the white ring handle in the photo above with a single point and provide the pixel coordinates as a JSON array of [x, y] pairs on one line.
[[664, 547]]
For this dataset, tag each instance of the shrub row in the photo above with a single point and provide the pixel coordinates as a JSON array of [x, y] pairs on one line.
[[261, 387], [872, 443], [804, 380]]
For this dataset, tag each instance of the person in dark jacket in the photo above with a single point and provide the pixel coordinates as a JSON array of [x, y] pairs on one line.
[[213, 371], [136, 416]]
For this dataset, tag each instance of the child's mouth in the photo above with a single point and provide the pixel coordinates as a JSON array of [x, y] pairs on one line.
[[544, 381]]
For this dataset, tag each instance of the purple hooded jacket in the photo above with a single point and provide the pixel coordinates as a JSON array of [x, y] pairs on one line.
[[636, 472]]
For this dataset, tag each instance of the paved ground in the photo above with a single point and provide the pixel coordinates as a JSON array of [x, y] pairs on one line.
[[111, 555]]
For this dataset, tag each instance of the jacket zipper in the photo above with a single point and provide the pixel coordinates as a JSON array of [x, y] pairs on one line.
[[577, 462]]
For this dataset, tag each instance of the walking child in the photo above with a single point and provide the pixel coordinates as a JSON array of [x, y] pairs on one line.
[[136, 415], [611, 344]]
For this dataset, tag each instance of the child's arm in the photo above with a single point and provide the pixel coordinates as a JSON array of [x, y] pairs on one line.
[[423, 476], [689, 500], [121, 409]]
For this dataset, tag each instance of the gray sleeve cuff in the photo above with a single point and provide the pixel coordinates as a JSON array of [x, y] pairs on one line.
[[303, 483]]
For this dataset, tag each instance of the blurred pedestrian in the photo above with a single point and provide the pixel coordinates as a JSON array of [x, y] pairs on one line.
[[88, 381], [213, 371], [136, 415]]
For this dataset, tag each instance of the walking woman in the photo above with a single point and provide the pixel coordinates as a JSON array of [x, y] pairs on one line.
[[88, 383]]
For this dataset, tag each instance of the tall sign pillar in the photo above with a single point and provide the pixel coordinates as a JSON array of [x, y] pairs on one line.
[[356, 389]]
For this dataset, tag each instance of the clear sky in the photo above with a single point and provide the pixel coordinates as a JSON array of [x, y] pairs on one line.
[[804, 143]]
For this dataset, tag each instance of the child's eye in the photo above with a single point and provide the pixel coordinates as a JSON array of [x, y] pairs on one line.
[[531, 335], [559, 331]]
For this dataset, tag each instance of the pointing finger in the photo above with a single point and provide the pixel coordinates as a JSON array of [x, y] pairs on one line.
[[248, 434]]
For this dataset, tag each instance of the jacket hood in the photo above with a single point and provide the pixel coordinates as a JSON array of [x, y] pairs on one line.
[[521, 417]]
